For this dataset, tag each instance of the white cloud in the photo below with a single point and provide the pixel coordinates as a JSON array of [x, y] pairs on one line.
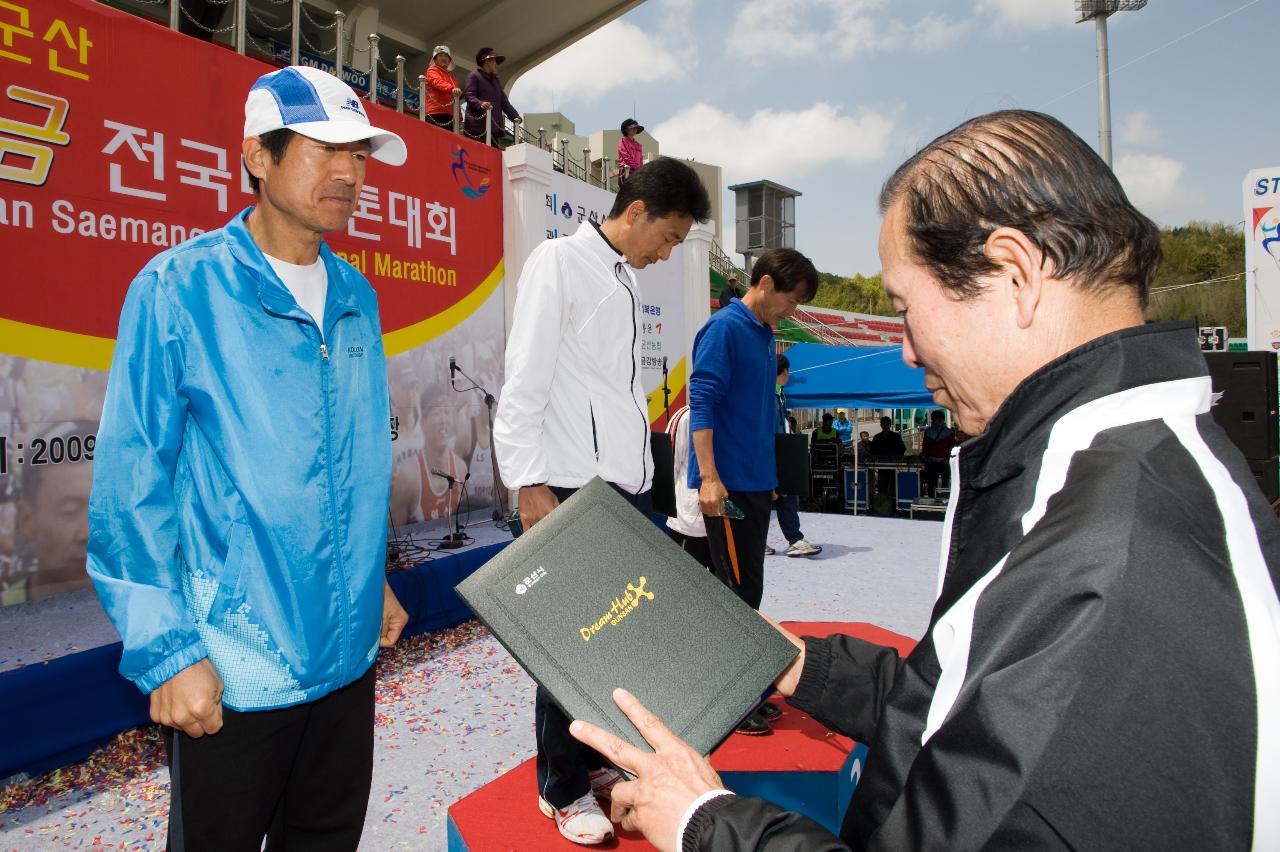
[[932, 33], [774, 145], [1154, 183], [1030, 14], [1137, 129], [618, 55], [763, 29]]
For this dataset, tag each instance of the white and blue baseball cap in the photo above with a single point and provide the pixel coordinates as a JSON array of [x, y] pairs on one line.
[[319, 106]]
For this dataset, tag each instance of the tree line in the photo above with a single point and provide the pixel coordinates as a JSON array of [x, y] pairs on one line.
[[1197, 251]]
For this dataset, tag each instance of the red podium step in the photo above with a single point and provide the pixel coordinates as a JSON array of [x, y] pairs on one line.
[[801, 766]]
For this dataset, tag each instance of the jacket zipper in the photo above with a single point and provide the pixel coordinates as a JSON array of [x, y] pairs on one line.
[[595, 441], [344, 591], [344, 598], [635, 340], [952, 543]]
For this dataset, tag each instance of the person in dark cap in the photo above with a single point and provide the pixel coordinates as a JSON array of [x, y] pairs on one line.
[[630, 153], [485, 98], [730, 291]]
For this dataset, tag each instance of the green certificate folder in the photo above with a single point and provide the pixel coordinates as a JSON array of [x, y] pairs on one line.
[[595, 597]]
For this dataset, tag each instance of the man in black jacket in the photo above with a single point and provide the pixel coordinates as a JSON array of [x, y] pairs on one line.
[[887, 444], [1102, 667]]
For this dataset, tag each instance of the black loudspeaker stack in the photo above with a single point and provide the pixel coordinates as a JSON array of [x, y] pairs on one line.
[[1247, 411]]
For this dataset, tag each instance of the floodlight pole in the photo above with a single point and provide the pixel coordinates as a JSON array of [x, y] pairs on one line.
[[1104, 91], [1099, 11]]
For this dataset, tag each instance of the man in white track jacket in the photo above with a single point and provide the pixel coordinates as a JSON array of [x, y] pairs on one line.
[[1102, 666], [573, 407]]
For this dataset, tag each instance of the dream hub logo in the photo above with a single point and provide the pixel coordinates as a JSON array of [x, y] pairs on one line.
[[462, 174]]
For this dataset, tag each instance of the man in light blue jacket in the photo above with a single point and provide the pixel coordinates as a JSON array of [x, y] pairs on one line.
[[239, 508]]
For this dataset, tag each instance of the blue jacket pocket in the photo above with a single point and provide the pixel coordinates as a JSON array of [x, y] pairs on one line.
[[230, 594]]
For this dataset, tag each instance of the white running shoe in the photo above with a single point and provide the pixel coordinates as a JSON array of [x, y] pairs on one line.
[[803, 548], [582, 821], [602, 781]]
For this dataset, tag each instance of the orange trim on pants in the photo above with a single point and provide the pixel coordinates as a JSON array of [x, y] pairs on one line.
[[733, 551]]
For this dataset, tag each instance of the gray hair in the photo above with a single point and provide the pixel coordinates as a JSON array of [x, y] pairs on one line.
[[1028, 171]]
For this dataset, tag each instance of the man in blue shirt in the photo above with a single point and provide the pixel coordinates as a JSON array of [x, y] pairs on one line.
[[733, 416], [843, 427]]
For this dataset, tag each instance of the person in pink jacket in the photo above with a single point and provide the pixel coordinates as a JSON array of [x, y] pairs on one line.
[[630, 154]]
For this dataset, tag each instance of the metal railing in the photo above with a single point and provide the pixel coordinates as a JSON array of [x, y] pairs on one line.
[[596, 172], [818, 329], [364, 71], [724, 265]]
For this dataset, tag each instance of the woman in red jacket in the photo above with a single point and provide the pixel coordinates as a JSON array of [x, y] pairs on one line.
[[442, 88]]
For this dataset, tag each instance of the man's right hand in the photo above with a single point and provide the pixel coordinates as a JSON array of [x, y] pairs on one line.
[[711, 497], [536, 502], [190, 700]]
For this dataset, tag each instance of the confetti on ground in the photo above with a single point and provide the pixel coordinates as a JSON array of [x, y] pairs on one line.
[[454, 710]]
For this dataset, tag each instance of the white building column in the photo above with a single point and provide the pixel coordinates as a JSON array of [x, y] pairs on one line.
[[696, 252], [526, 182], [361, 23]]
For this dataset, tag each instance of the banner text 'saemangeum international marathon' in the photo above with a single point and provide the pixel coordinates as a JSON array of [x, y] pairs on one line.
[[119, 139]]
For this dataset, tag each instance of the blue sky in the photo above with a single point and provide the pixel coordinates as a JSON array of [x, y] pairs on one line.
[[828, 96]]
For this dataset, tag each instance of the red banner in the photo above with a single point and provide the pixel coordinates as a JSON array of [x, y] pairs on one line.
[[119, 138]]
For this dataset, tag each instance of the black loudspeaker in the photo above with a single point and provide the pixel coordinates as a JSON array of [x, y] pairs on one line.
[[1265, 472], [664, 474], [791, 452], [1247, 409]]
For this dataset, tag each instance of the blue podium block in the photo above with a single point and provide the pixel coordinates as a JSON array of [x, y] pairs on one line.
[[908, 489], [855, 489]]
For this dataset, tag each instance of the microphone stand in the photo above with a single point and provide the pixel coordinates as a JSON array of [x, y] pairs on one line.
[[666, 396], [489, 401], [457, 538], [402, 552]]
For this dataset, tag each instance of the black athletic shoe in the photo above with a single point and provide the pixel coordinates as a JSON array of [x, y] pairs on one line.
[[770, 711], [754, 725]]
